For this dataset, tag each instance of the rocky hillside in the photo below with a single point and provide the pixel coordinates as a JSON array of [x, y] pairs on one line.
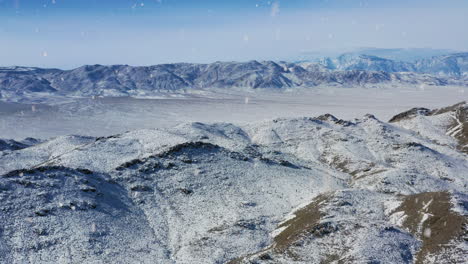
[[304, 190]]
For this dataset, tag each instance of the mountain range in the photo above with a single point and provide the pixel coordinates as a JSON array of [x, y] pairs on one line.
[[18, 83]]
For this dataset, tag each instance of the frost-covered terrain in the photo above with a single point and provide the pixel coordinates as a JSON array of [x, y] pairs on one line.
[[288, 190]]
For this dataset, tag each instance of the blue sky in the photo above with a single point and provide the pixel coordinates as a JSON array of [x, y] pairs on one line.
[[70, 33]]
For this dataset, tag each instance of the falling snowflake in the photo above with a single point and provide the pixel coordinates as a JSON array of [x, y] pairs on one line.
[[275, 9], [278, 34], [378, 27], [427, 233]]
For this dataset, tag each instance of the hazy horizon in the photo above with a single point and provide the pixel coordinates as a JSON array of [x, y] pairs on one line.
[[68, 34]]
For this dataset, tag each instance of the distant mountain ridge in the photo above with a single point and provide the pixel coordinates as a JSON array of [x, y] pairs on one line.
[[397, 54], [124, 80], [366, 63], [454, 65]]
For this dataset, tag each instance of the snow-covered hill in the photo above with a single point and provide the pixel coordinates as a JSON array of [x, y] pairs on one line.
[[20, 83], [291, 190]]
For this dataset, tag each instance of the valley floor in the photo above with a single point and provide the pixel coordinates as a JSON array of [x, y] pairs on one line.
[[107, 116]]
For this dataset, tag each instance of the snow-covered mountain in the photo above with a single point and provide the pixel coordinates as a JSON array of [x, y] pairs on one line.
[[352, 61], [296, 190], [403, 54], [451, 65], [396, 54], [9, 144], [454, 65], [17, 83]]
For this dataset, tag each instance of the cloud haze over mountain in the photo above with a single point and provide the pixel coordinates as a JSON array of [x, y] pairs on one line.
[[66, 34]]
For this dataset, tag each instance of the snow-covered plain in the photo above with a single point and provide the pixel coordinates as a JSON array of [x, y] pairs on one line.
[[107, 116]]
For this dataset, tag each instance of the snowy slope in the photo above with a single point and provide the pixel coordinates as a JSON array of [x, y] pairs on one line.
[[288, 190]]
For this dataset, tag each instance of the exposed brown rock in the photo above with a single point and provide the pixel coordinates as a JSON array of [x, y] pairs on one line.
[[459, 127], [306, 223], [429, 218]]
